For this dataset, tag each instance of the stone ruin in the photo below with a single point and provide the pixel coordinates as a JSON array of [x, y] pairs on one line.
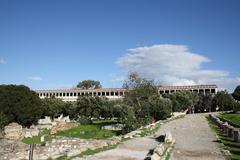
[[13, 131], [226, 128], [16, 150], [113, 127], [45, 123], [63, 127], [30, 132], [163, 148]]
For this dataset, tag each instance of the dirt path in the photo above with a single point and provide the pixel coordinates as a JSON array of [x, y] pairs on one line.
[[194, 141]]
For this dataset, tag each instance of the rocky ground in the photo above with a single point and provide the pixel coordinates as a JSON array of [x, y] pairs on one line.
[[194, 140]]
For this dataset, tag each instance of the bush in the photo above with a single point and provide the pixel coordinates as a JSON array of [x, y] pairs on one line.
[[52, 107], [3, 120], [223, 101], [19, 104], [236, 107], [84, 120], [236, 93]]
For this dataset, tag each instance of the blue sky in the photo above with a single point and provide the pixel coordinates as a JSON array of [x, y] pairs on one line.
[[55, 44]]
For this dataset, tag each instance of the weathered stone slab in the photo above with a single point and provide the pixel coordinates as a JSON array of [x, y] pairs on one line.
[[168, 138], [13, 131], [63, 127], [160, 149]]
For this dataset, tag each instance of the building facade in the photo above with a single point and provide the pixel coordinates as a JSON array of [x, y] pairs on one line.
[[118, 93]]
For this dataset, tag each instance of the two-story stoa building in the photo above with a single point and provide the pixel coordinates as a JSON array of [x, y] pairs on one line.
[[117, 93]]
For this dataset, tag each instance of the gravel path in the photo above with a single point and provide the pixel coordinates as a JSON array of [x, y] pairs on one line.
[[194, 141]]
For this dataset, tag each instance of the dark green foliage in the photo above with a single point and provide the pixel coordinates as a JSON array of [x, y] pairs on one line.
[[236, 107], [19, 104], [89, 84], [84, 120], [129, 119], [144, 102], [52, 107], [182, 100], [204, 104], [70, 109], [236, 93], [3, 120], [89, 106], [223, 101], [160, 108], [97, 107]]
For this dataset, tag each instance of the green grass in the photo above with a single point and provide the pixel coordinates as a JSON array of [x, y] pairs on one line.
[[37, 139], [92, 152], [234, 118], [65, 157], [228, 142], [92, 131]]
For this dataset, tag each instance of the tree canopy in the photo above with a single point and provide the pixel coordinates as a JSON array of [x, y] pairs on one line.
[[223, 100], [145, 100], [236, 93], [19, 104], [89, 84]]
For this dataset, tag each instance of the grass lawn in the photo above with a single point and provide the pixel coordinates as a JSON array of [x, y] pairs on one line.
[[234, 118], [91, 131], [37, 139], [228, 142]]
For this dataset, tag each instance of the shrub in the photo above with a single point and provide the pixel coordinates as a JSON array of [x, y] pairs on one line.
[[84, 120], [19, 104], [236, 107], [3, 120]]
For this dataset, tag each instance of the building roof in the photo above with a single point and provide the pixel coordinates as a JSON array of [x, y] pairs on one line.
[[212, 86], [82, 90], [123, 89]]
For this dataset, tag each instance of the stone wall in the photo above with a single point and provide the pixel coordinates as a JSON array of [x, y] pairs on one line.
[[226, 128], [63, 127], [163, 148], [13, 131], [16, 150]]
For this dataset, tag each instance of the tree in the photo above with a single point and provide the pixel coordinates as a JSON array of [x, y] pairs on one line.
[[52, 107], [160, 108], [144, 99], [236, 93], [140, 90], [89, 84], [128, 118], [19, 104], [236, 107], [70, 109], [204, 103], [223, 101], [182, 100], [89, 106], [3, 120]]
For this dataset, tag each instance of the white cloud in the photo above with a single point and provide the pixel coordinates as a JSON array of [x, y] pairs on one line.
[[2, 61], [35, 78], [173, 65]]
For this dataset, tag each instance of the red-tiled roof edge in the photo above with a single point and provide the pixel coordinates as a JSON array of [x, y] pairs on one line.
[[123, 89], [190, 86]]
